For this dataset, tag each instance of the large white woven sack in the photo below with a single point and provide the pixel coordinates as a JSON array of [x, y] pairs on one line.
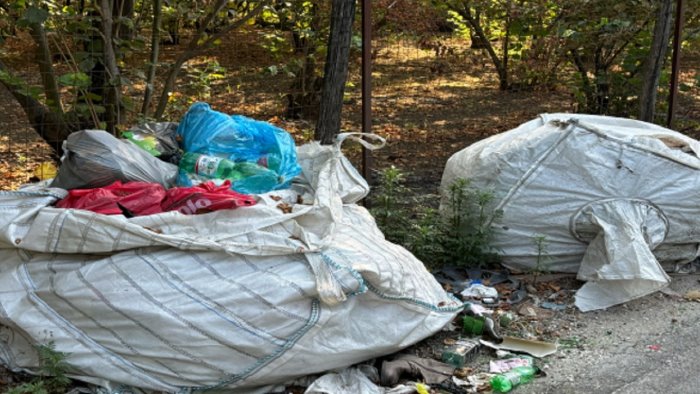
[[236, 299], [614, 198]]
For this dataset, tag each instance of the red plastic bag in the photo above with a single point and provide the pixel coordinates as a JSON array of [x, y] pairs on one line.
[[205, 197], [139, 198]]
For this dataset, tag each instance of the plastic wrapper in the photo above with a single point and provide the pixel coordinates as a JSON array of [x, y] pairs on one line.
[[157, 138], [95, 158], [238, 138], [141, 198], [136, 198]]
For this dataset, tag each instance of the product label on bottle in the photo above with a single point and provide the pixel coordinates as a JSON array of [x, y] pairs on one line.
[[206, 166]]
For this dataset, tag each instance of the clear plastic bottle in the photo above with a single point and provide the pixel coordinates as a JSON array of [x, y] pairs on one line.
[[245, 177], [505, 382], [209, 166]]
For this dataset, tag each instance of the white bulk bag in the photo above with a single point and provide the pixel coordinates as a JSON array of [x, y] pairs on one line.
[[613, 197], [234, 299]]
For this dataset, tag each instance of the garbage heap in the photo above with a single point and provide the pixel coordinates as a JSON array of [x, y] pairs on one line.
[[143, 273], [614, 200]]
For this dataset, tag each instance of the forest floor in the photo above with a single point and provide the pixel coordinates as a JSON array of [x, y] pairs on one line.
[[428, 108]]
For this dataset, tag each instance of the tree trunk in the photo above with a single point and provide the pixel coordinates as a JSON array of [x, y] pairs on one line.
[[336, 70], [51, 126], [155, 47], [476, 26], [48, 75], [123, 9], [654, 62], [476, 41], [112, 98]]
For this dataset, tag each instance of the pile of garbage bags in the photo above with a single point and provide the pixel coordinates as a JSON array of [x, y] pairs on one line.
[[613, 200], [298, 283]]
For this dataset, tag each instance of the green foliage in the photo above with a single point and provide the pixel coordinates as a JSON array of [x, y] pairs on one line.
[[388, 211], [607, 43], [52, 379], [543, 258], [466, 235], [462, 235]]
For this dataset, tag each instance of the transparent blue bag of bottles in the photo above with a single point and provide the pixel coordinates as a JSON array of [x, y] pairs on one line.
[[238, 138]]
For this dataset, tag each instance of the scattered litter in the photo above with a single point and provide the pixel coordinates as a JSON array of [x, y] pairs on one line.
[[422, 388], [505, 319], [508, 381], [347, 381], [480, 380], [478, 310], [430, 371], [461, 352], [480, 291], [553, 306], [505, 365], [531, 347], [408, 388], [692, 295], [654, 348]]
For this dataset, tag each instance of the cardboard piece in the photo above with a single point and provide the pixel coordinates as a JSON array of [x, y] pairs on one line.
[[533, 348]]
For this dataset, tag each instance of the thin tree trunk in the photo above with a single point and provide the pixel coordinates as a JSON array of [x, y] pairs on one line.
[[48, 75], [476, 26], [194, 48], [654, 62], [336, 70], [155, 48], [503, 77], [113, 93], [51, 126]]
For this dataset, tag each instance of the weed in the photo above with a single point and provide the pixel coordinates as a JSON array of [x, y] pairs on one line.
[[461, 236], [467, 234], [543, 258], [52, 373], [387, 211]]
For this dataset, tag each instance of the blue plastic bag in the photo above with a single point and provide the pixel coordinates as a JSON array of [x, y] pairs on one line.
[[239, 138]]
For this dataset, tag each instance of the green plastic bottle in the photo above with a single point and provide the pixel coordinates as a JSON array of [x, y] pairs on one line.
[[505, 382], [245, 177]]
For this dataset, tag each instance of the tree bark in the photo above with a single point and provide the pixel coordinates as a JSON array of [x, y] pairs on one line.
[[155, 49], [51, 126], [654, 62], [465, 12], [336, 70], [112, 98], [48, 75]]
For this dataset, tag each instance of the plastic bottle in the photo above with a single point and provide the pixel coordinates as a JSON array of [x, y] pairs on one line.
[[209, 166], [505, 382], [245, 177]]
